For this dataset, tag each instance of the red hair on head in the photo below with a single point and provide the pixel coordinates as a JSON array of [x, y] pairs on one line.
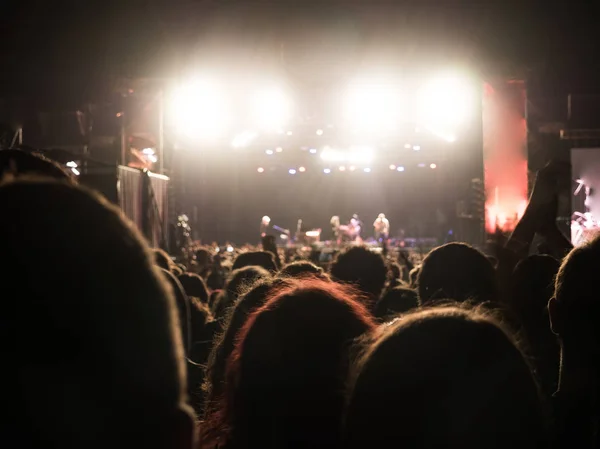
[[290, 361]]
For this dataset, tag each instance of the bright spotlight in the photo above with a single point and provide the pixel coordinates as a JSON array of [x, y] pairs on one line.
[[72, 164], [407, 146], [313, 151], [148, 151], [432, 166], [445, 102], [342, 168], [367, 170], [392, 167], [271, 109], [269, 152], [260, 169], [292, 171], [373, 105], [152, 158], [278, 149], [243, 139], [326, 171], [199, 109], [352, 168], [289, 133], [75, 171], [356, 154], [302, 169], [400, 168], [319, 132], [417, 147]]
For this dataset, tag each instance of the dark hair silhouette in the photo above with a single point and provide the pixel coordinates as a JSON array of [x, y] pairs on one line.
[[194, 286], [443, 378], [362, 268], [224, 343], [577, 303], [285, 377], [239, 281], [262, 259], [98, 323], [532, 286], [301, 268], [162, 259], [398, 300], [19, 162], [575, 318], [458, 272]]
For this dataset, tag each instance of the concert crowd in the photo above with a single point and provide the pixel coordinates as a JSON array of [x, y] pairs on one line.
[[109, 343]]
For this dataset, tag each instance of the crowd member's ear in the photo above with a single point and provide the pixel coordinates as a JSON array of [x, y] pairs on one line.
[[554, 314]]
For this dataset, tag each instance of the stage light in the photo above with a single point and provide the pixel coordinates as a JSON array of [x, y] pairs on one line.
[[302, 169], [289, 133], [373, 106], [243, 139], [342, 168], [260, 169], [75, 171], [152, 158], [356, 154], [392, 167], [326, 171], [445, 102], [148, 151], [319, 132], [72, 164], [352, 168], [271, 109], [367, 170], [432, 166], [199, 109], [313, 151], [279, 149], [400, 168], [408, 146], [269, 152], [417, 147], [291, 171]]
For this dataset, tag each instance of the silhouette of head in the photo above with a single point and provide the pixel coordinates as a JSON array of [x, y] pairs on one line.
[[301, 268], [92, 339], [262, 259], [239, 281], [225, 342], [286, 375], [532, 286], [443, 378], [194, 286], [458, 272], [396, 301], [19, 162], [363, 268], [575, 309]]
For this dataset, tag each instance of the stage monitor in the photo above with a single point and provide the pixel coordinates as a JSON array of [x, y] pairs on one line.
[[585, 200]]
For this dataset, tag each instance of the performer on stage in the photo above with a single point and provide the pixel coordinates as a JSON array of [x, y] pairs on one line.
[[356, 225], [382, 228], [335, 228], [264, 225]]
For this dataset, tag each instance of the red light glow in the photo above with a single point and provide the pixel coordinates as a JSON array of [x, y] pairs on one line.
[[505, 154]]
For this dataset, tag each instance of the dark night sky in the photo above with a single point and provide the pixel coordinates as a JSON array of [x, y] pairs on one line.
[[68, 51]]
